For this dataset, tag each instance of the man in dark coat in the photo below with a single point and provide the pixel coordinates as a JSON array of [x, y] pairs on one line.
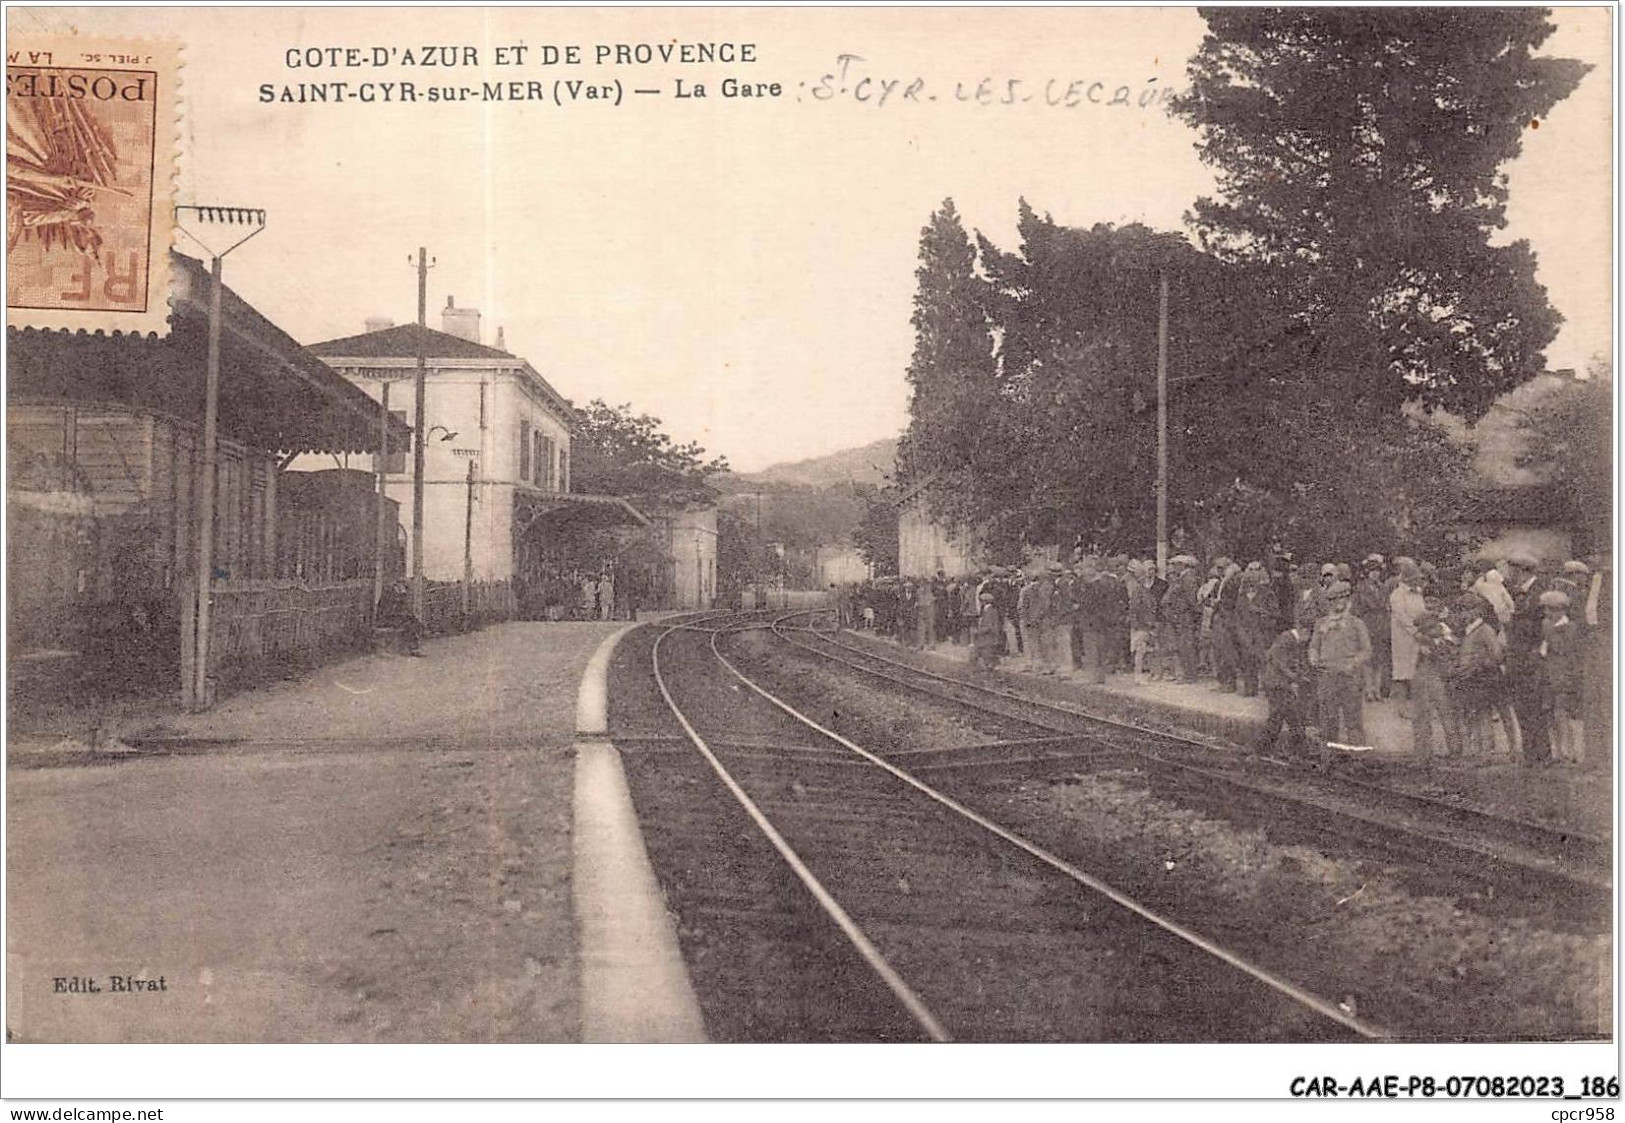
[[987, 635], [1182, 615], [1064, 612], [1523, 663], [1474, 677], [1113, 593], [1090, 595], [1253, 625], [1561, 659], [1225, 662], [1285, 678], [1285, 595], [1372, 607]]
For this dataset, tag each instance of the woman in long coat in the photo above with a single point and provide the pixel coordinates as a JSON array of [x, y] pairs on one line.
[[1405, 604]]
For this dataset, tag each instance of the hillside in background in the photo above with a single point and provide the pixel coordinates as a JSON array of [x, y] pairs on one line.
[[868, 464], [809, 508]]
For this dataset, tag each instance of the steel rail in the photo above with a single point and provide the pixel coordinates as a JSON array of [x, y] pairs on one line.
[[1282, 986], [865, 947], [1551, 837]]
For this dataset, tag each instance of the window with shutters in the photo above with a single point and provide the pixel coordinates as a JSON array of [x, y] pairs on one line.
[[524, 451], [564, 469]]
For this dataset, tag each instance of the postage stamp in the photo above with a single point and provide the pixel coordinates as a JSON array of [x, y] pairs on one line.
[[91, 132]]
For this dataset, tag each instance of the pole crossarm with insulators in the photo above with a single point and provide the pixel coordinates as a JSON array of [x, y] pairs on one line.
[[194, 222]]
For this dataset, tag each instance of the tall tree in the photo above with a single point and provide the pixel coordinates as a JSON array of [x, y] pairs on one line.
[[875, 535], [618, 452], [1076, 312], [951, 372], [1360, 156]]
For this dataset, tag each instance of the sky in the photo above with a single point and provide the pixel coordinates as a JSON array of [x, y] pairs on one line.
[[741, 268]]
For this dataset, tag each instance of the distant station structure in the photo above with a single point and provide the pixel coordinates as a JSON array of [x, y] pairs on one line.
[[928, 545]]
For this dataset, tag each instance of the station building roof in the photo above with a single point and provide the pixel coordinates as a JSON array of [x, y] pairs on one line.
[[274, 395], [401, 342], [398, 346]]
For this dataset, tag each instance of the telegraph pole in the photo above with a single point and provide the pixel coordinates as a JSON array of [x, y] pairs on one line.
[[196, 692], [417, 438], [468, 545], [1162, 427], [382, 535]]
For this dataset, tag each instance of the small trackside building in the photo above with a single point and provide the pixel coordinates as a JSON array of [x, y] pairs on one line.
[[928, 545]]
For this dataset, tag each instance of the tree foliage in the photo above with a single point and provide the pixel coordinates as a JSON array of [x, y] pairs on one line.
[[875, 534], [1063, 445], [743, 557], [952, 372], [1568, 444], [617, 452], [1360, 156]]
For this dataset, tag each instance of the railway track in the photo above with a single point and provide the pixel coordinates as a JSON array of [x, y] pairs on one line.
[[1563, 873], [824, 892]]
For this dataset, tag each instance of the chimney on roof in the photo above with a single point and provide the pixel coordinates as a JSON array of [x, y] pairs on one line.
[[501, 343], [379, 323], [464, 323]]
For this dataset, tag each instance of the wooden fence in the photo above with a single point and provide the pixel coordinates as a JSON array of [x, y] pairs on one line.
[[488, 601], [256, 624]]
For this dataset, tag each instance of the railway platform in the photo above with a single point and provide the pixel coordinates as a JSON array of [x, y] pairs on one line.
[[383, 851]]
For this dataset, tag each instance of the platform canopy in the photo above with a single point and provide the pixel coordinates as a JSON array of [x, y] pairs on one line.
[[534, 506], [274, 394]]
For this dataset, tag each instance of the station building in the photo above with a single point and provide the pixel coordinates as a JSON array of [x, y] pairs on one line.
[[839, 565], [496, 446]]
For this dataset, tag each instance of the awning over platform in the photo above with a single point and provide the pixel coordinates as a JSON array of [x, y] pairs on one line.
[[274, 395], [533, 504]]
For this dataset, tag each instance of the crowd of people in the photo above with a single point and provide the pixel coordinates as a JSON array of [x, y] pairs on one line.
[[578, 594], [1484, 658]]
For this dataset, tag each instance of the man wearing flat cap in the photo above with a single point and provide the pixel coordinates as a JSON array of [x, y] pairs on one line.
[[1370, 604], [1562, 677], [1475, 678], [1254, 625], [1339, 651], [1182, 614], [1311, 604]]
